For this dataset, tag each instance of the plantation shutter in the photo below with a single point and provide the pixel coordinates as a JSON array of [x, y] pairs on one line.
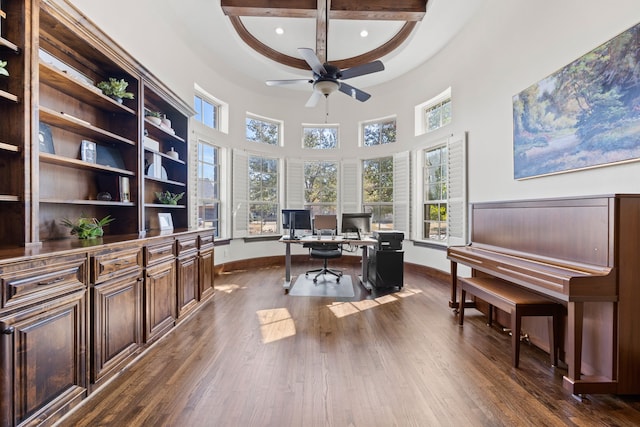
[[240, 191], [402, 192], [349, 187], [294, 185], [457, 190]]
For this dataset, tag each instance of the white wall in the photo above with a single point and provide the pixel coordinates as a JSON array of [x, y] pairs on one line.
[[506, 47]]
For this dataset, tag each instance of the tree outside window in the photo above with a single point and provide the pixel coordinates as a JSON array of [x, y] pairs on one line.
[[379, 132], [263, 195], [321, 137], [208, 191], [321, 187], [377, 186], [435, 197], [264, 131], [438, 115]]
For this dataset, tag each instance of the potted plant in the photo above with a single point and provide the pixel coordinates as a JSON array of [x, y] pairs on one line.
[[168, 198], [116, 89], [154, 117], [3, 69], [87, 228]]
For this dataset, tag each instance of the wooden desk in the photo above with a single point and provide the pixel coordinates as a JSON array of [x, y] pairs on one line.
[[363, 243]]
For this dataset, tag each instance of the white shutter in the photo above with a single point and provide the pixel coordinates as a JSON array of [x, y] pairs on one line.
[[349, 187], [240, 191], [402, 192], [457, 190], [294, 184]]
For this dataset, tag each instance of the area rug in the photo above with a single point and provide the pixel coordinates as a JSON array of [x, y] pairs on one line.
[[326, 287]]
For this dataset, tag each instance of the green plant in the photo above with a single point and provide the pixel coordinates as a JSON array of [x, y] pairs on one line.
[[157, 114], [115, 87], [168, 198], [3, 69], [87, 228]]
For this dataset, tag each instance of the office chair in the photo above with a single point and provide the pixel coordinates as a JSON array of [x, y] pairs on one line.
[[325, 225]]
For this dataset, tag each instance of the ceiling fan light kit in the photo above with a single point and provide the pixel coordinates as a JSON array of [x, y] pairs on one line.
[[326, 87]]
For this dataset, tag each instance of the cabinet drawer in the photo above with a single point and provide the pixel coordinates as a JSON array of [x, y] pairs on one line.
[[35, 281], [186, 244], [206, 241], [108, 265], [158, 252]]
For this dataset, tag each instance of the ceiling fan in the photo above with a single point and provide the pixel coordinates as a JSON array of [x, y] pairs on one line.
[[328, 78]]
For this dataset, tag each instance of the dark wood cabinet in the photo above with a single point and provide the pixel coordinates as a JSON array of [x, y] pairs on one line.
[[75, 313], [116, 310], [205, 267], [159, 290], [187, 274], [42, 338]]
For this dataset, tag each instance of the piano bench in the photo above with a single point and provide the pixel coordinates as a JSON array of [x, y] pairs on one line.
[[518, 302]]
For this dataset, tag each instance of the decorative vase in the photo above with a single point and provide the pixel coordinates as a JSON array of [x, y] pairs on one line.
[[116, 98], [173, 154], [166, 123], [155, 120]]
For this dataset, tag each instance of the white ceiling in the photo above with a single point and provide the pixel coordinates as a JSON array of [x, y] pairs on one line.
[[204, 26]]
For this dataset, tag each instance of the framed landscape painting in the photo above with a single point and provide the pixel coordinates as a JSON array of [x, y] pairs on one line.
[[585, 115]]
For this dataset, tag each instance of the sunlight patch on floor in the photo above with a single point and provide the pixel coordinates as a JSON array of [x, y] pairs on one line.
[[275, 324], [343, 309], [228, 288]]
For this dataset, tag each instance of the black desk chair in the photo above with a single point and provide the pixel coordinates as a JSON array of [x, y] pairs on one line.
[[325, 249]]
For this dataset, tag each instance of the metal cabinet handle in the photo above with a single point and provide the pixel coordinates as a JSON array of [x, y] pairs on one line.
[[8, 329], [51, 282]]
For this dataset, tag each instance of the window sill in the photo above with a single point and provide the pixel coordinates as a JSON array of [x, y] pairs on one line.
[[430, 245]]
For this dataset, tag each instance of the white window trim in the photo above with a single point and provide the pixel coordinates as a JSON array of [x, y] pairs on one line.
[[419, 116], [223, 108], [265, 119], [320, 126], [364, 123], [457, 202]]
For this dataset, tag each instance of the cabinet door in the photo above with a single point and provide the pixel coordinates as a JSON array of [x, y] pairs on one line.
[[187, 283], [43, 347], [206, 274], [160, 300], [117, 324]]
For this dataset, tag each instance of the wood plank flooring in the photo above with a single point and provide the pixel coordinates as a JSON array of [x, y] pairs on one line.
[[255, 356]]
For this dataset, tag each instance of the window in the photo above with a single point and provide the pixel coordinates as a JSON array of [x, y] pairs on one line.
[[263, 196], [435, 194], [433, 114], [438, 115], [441, 192], [320, 137], [321, 187], [263, 130], [208, 187], [379, 132], [377, 186], [207, 111]]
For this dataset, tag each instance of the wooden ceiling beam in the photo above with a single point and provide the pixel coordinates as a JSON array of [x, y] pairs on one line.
[[322, 30], [400, 10]]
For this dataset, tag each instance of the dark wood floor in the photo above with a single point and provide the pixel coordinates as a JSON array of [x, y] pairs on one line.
[[255, 356]]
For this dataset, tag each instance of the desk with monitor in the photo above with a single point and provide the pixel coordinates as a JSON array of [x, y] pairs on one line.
[[362, 242]]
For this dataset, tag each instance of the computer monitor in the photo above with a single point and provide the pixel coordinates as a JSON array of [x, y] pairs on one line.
[[296, 219], [359, 223]]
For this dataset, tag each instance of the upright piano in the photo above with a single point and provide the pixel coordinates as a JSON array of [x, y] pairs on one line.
[[583, 252]]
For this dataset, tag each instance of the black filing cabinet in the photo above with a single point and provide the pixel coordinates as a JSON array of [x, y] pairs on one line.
[[386, 261]]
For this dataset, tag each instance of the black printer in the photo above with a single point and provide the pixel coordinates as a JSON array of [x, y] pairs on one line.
[[388, 240]]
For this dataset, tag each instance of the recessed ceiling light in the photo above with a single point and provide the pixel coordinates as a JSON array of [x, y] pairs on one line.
[[279, 31], [364, 33]]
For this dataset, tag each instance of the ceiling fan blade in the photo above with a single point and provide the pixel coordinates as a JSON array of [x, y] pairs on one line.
[[353, 92], [312, 59], [361, 70], [313, 99], [287, 82]]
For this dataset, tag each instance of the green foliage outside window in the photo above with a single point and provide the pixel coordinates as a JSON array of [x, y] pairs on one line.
[[320, 137], [383, 132], [262, 131]]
